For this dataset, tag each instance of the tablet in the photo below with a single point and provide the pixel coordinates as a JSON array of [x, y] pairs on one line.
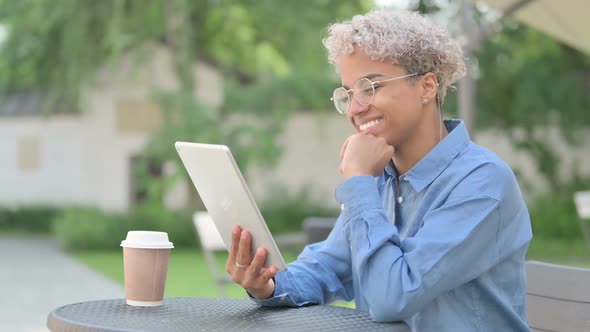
[[226, 196]]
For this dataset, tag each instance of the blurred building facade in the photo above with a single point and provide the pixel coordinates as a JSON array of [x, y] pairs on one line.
[[86, 159]]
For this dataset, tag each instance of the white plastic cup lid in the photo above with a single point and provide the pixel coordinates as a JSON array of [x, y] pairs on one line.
[[147, 240]]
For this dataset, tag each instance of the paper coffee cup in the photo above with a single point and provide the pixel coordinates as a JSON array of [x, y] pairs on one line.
[[145, 261]]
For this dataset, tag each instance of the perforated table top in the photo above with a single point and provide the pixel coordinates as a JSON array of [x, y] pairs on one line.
[[210, 314]]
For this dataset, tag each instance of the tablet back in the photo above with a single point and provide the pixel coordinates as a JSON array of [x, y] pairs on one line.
[[226, 196]]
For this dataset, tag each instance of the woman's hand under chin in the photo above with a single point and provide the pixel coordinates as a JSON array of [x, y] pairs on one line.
[[364, 154]]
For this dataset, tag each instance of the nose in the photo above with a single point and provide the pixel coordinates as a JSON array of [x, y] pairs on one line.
[[356, 108]]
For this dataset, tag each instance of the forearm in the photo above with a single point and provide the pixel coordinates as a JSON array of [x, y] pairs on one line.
[[320, 275]]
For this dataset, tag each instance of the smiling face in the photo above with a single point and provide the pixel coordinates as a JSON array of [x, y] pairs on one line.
[[396, 111]]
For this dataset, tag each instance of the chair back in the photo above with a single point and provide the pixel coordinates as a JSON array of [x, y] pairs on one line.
[[209, 236], [211, 242], [582, 200], [558, 297], [317, 228]]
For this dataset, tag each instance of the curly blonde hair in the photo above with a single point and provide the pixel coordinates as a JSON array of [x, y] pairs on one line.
[[408, 39]]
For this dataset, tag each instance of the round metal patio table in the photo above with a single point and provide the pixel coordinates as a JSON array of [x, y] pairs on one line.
[[210, 314]]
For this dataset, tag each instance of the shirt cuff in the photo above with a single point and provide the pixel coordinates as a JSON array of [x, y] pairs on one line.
[[282, 295], [358, 194], [275, 301]]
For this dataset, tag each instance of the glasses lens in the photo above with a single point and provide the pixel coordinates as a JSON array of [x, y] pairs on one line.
[[341, 100], [364, 91]]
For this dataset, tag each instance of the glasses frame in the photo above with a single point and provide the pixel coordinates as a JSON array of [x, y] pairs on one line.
[[350, 92]]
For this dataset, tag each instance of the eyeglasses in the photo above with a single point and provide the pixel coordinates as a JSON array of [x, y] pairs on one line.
[[363, 91]]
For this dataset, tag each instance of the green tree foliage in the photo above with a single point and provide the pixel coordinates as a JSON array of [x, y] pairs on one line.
[[527, 77], [55, 46], [530, 81], [269, 52]]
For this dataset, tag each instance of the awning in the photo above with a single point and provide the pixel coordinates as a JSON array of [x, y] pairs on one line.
[[565, 20]]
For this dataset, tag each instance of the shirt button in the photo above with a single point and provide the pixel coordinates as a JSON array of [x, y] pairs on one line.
[[283, 298], [341, 207], [406, 178], [400, 199]]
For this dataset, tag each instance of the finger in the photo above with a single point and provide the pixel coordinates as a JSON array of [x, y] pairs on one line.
[[257, 263], [271, 272], [244, 255], [235, 243], [343, 149], [390, 151]]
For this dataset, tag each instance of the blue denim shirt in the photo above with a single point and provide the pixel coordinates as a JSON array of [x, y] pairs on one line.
[[448, 256]]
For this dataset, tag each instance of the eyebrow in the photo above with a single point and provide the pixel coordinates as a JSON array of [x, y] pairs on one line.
[[369, 76]]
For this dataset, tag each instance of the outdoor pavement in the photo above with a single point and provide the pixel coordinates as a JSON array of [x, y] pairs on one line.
[[37, 277]]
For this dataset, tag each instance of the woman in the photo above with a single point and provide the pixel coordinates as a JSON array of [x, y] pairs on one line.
[[433, 229]]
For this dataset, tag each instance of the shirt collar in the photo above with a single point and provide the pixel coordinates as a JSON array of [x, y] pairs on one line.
[[434, 163]]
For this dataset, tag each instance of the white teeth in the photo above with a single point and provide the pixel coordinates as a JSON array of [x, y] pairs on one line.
[[369, 124]]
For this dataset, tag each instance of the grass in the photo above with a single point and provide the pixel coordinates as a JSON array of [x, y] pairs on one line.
[[188, 274], [573, 253]]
